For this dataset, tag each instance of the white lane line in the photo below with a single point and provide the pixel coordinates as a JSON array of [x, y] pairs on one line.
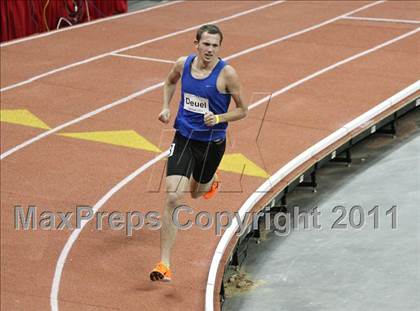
[[333, 66], [96, 21], [303, 31], [172, 34], [283, 172], [144, 58], [74, 235], [127, 98], [62, 258], [387, 20], [77, 120]]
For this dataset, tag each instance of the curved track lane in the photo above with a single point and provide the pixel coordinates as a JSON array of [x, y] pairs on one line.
[[107, 270]]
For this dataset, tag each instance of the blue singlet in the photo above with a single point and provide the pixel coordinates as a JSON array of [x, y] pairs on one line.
[[197, 97]]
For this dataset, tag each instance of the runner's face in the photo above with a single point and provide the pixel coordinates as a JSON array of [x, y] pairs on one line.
[[208, 47]]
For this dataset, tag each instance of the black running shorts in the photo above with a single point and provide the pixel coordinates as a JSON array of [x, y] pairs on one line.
[[200, 158]]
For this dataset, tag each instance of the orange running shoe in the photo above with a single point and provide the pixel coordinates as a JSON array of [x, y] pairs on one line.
[[161, 273], [214, 188]]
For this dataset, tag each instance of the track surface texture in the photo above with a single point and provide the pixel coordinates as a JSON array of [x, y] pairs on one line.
[[79, 115]]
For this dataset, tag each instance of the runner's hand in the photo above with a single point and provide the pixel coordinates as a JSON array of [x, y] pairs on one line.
[[164, 115], [210, 119]]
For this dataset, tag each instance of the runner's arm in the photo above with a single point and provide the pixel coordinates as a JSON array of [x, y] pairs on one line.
[[169, 88], [233, 87]]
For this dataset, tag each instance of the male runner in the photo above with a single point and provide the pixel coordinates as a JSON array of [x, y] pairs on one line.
[[207, 85]]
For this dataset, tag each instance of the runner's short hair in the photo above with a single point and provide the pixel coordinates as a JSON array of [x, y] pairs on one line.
[[211, 29]]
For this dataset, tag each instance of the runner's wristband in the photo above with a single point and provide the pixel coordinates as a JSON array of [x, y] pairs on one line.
[[217, 119]]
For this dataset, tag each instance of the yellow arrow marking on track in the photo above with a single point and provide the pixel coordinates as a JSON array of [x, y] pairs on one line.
[[22, 117], [127, 138], [238, 163], [235, 163]]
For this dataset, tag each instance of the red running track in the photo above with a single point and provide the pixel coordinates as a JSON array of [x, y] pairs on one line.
[[323, 69]]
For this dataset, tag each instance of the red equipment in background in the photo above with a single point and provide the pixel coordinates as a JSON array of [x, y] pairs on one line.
[[21, 18]]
